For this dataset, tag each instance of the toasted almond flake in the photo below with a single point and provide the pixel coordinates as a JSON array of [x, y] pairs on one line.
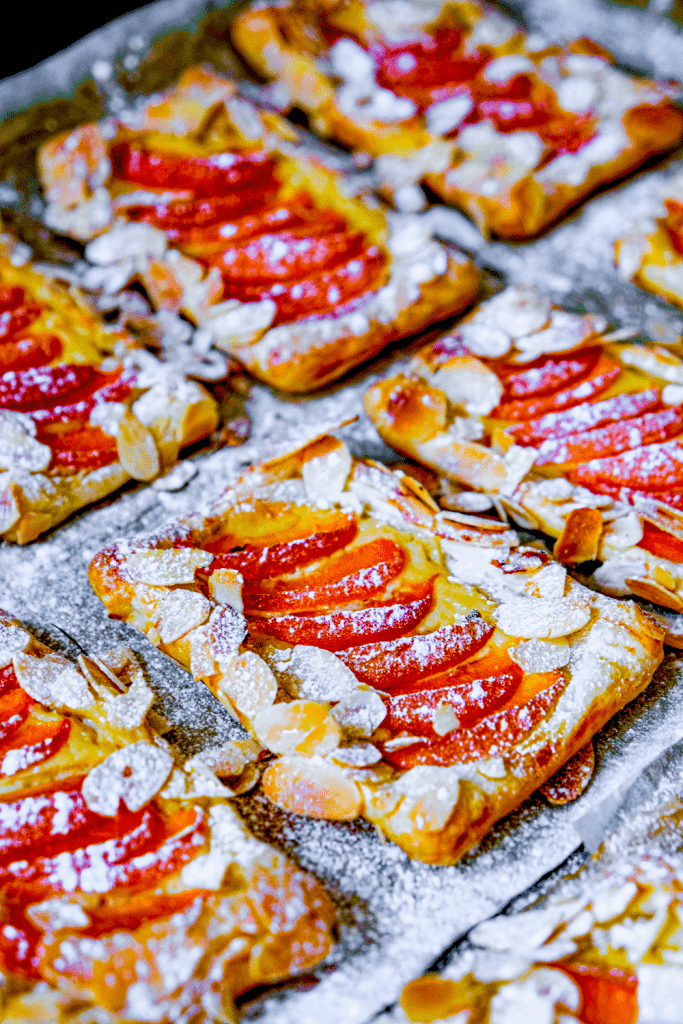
[[129, 710], [358, 755], [13, 640], [226, 630], [288, 728], [399, 742], [202, 663], [325, 476], [548, 583], [311, 672], [580, 537], [312, 787], [167, 566], [225, 587], [624, 532], [52, 680], [19, 449], [134, 774], [468, 382], [230, 758], [249, 684], [360, 713], [535, 618], [445, 719], [537, 656], [137, 450], [476, 522], [654, 592], [179, 612], [517, 311]]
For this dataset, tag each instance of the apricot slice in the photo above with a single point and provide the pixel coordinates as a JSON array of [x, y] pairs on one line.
[[613, 439], [339, 630], [399, 662], [609, 993], [470, 701], [494, 736], [660, 543], [360, 573], [653, 467], [605, 372], [258, 563], [31, 744], [587, 416]]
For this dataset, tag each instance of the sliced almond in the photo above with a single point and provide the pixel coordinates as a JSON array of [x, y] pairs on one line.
[[325, 475], [52, 680], [421, 493], [360, 713], [138, 453], [445, 719], [225, 587], [249, 684], [166, 566], [533, 618], [539, 656], [654, 592], [179, 612], [580, 537], [466, 381], [665, 578], [13, 640], [312, 787], [135, 774], [295, 727]]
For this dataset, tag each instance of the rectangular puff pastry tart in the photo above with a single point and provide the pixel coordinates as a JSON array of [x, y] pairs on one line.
[[207, 202], [422, 670], [130, 887], [602, 947], [651, 255], [566, 431], [76, 423], [454, 94]]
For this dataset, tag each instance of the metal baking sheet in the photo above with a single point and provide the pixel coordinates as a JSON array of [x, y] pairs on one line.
[[397, 916]]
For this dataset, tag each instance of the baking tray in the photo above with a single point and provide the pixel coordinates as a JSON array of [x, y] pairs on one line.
[[397, 916]]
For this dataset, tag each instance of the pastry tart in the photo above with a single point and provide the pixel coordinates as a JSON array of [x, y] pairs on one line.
[[603, 947], [453, 94], [209, 203], [130, 887], [76, 423], [567, 429], [419, 668], [651, 255]]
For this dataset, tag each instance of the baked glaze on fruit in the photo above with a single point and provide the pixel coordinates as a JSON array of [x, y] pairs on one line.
[[421, 669], [568, 431], [75, 422], [455, 95], [212, 205], [129, 885]]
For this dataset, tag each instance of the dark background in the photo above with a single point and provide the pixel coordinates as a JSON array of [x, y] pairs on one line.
[[46, 29]]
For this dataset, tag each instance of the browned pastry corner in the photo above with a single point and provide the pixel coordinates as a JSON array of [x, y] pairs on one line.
[[210, 203], [420, 668]]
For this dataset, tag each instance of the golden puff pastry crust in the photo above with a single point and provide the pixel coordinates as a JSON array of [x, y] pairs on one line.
[[214, 208], [77, 422], [567, 429], [131, 888], [453, 94], [422, 669]]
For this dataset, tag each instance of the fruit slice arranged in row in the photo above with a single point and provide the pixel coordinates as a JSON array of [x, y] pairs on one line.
[[58, 397], [52, 843], [306, 258], [334, 591], [624, 446]]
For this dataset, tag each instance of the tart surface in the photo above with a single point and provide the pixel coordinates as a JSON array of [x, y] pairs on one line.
[[210, 203], [130, 886], [425, 671], [566, 430], [454, 95], [77, 422]]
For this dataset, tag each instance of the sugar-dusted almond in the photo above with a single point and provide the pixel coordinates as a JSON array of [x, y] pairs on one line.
[[313, 787], [166, 566]]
